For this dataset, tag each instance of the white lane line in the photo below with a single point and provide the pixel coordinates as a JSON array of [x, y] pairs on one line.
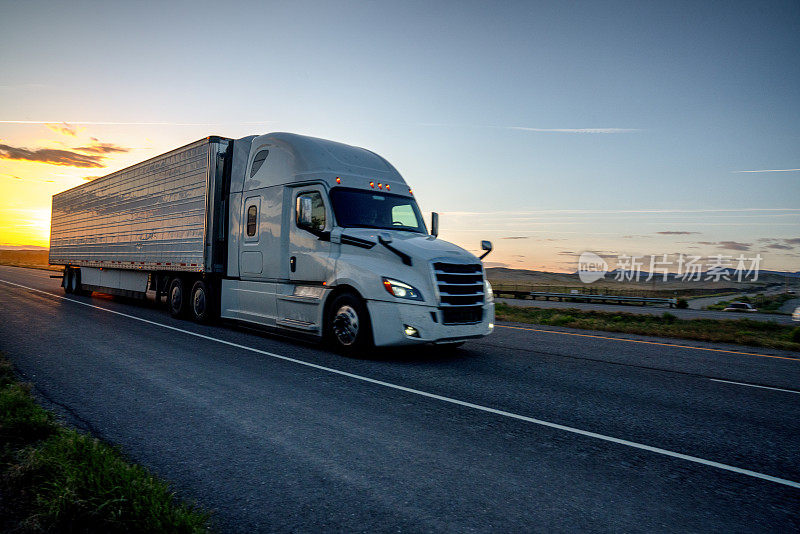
[[754, 385], [442, 398]]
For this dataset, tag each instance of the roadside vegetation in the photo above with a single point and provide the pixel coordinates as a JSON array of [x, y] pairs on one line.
[[54, 479], [742, 331], [763, 303]]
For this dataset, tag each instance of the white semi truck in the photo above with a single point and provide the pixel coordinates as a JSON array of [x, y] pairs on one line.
[[281, 230]]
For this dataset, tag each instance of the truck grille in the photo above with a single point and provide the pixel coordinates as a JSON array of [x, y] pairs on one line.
[[460, 292]]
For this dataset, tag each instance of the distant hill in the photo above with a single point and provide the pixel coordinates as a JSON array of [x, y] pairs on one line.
[[37, 258]]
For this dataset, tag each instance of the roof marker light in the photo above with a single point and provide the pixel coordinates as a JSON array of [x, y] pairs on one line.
[[388, 187], [380, 185], [338, 180], [410, 192], [372, 184]]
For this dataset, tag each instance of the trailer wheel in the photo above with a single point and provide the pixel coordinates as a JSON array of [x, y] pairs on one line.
[[176, 297], [202, 302], [67, 280], [348, 326], [75, 282]]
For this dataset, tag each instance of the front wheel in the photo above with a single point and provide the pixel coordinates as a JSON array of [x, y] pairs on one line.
[[348, 326]]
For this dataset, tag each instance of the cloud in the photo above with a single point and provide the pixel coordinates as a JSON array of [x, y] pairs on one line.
[[733, 245], [96, 147], [792, 241], [727, 245], [52, 156], [770, 170], [575, 130], [64, 129], [516, 237], [778, 246], [671, 232], [90, 178]]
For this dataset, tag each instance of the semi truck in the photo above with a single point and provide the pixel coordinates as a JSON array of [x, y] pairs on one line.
[[281, 230]]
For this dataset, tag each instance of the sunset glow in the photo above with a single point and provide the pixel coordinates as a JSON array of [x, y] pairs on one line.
[[528, 143]]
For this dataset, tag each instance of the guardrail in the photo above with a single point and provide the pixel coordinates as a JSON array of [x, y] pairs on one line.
[[588, 298]]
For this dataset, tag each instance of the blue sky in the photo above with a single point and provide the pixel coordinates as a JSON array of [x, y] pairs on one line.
[[570, 126]]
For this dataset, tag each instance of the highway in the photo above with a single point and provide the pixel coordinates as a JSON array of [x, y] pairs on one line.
[[530, 429]]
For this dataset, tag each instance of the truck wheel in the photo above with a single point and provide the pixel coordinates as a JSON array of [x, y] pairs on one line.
[[348, 325], [202, 302], [67, 282], [75, 282], [176, 297]]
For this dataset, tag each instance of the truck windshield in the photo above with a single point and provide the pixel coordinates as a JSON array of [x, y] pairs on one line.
[[356, 208]]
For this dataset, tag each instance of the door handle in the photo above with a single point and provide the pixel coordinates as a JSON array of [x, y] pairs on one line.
[[293, 264]]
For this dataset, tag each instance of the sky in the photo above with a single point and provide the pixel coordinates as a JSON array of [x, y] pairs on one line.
[[549, 128]]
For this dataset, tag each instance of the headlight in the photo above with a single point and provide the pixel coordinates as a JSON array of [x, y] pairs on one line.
[[487, 291], [401, 290]]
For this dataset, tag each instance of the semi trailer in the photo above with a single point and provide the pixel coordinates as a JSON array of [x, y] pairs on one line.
[[280, 230]]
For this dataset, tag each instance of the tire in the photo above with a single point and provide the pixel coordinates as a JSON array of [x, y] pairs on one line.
[[202, 304], [348, 327], [177, 301], [75, 282], [67, 281]]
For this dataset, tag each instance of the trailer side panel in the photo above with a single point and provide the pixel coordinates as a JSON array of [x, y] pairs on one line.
[[153, 215]]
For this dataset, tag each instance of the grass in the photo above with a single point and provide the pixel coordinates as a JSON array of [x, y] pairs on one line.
[[741, 331], [54, 479]]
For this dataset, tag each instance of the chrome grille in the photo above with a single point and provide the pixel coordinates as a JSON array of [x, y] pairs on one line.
[[460, 288]]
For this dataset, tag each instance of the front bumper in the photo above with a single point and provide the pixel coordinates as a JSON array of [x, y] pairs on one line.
[[389, 320]]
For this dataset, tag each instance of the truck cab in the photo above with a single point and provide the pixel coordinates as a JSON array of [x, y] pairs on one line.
[[327, 239]]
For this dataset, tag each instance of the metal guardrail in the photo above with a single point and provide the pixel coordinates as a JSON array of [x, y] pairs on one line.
[[588, 298]]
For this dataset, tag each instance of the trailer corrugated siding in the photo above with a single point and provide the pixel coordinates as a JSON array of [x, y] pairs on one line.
[[151, 215]]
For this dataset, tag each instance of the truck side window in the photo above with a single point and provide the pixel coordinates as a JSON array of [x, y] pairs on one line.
[[252, 221], [258, 161], [310, 212]]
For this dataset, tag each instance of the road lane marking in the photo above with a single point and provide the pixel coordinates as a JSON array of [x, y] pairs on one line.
[[595, 336], [753, 385], [495, 411]]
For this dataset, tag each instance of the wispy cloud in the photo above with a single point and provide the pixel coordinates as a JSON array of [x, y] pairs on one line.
[[96, 147], [64, 129], [727, 245], [52, 156], [673, 232], [778, 246], [516, 237], [770, 170], [506, 213], [575, 130]]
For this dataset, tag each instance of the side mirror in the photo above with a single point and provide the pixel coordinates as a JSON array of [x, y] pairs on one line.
[[305, 216], [487, 246], [434, 224]]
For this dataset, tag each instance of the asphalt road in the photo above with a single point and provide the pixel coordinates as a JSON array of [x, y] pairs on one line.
[[527, 430], [649, 310]]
